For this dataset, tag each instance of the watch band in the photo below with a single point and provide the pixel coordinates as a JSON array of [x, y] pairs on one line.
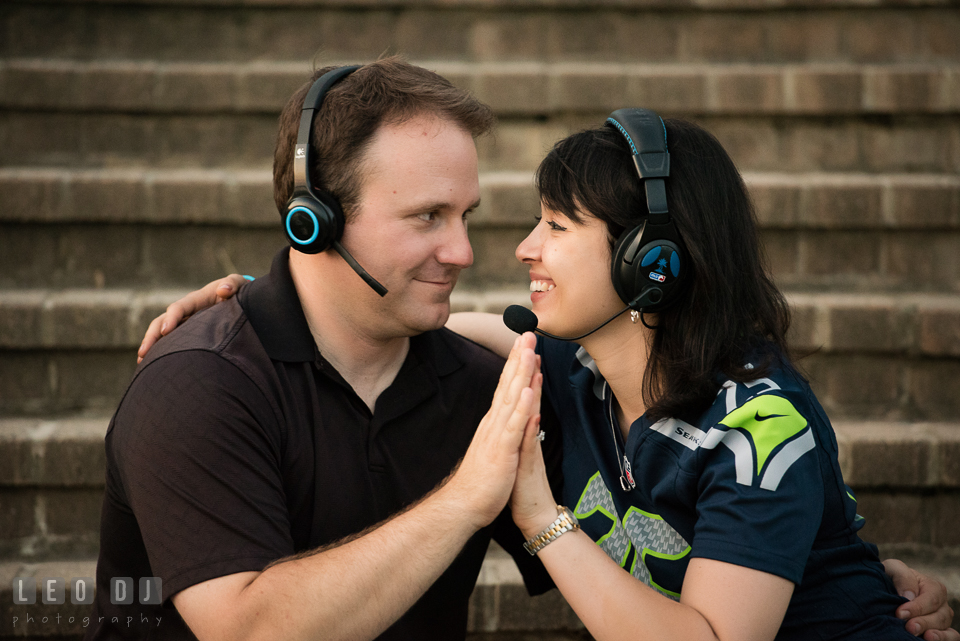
[[566, 522]]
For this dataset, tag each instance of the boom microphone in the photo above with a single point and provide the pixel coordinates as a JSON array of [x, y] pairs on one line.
[[520, 319], [361, 272]]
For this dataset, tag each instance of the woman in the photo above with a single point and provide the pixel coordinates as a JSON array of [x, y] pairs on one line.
[[695, 454]]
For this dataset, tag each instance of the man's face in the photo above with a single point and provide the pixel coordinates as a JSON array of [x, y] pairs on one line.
[[410, 228]]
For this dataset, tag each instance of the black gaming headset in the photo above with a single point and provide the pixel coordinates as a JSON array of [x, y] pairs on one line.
[[649, 259], [314, 219]]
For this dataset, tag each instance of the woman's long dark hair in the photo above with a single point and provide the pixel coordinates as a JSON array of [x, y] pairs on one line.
[[730, 312]]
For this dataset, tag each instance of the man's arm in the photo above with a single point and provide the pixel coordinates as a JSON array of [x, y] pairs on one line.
[[356, 590]]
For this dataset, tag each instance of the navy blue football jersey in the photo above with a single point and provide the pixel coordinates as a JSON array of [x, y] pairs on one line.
[[754, 481]]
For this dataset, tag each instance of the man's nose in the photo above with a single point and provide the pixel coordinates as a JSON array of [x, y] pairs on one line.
[[456, 249]]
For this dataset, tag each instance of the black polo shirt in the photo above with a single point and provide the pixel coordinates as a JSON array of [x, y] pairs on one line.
[[237, 444]]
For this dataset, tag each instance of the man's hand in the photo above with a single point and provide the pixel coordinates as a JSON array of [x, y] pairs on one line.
[[485, 478], [179, 311], [927, 611], [532, 503]]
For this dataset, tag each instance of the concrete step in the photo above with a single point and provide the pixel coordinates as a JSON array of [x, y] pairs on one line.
[[244, 197], [86, 255], [170, 228], [40, 620], [51, 488], [645, 30], [885, 356], [500, 609], [925, 324], [906, 475], [758, 143], [531, 89]]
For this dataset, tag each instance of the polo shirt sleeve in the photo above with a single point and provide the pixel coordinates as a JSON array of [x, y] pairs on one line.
[[760, 501], [197, 449]]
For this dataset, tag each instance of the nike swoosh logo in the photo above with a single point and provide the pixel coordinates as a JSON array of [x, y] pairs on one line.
[[759, 418]]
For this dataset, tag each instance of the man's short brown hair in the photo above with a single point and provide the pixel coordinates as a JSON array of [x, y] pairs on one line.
[[388, 91]]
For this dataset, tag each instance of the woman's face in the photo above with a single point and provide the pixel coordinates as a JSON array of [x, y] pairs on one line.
[[569, 263]]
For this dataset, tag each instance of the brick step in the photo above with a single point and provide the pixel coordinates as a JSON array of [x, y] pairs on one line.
[[532, 89], [647, 30], [760, 143], [884, 356]]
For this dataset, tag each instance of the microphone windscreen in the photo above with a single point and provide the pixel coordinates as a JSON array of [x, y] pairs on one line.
[[520, 319]]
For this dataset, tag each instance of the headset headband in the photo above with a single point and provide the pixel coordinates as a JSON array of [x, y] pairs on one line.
[[301, 155], [642, 128]]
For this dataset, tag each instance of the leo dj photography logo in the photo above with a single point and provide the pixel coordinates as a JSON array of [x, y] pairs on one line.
[[53, 591]]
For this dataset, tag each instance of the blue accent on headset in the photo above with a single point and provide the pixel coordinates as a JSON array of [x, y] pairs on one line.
[[250, 278], [675, 264], [316, 226], [623, 131], [651, 256]]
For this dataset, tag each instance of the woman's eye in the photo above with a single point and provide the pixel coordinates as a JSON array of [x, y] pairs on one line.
[[556, 227], [427, 217]]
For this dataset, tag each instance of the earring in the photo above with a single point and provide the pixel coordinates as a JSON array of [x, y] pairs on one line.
[[634, 315]]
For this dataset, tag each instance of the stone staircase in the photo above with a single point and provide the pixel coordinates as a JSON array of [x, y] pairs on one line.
[[135, 148]]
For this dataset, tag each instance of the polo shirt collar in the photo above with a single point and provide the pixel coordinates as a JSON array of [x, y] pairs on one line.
[[273, 309]]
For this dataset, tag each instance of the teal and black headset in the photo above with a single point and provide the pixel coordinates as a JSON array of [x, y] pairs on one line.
[[314, 219]]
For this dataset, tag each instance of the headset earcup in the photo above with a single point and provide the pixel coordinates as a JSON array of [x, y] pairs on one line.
[[622, 273], [651, 266], [312, 225]]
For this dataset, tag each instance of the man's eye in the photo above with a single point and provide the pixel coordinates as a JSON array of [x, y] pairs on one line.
[[556, 227], [428, 217]]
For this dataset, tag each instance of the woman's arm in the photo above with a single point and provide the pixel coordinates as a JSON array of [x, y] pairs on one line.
[[179, 311], [486, 329], [719, 601]]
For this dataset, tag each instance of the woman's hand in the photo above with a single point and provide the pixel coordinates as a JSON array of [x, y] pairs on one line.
[[485, 478], [532, 502], [179, 311]]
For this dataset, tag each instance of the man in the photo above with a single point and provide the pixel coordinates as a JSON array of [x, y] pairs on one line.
[[294, 421], [389, 412]]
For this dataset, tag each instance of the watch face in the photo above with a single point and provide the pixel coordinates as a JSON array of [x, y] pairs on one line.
[[570, 515]]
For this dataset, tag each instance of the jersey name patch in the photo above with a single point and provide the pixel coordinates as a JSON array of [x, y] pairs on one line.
[[752, 432]]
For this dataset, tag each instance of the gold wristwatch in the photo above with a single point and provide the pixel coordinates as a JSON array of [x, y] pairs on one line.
[[566, 522]]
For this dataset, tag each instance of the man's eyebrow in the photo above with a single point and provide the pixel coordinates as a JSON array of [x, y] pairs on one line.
[[437, 206]]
